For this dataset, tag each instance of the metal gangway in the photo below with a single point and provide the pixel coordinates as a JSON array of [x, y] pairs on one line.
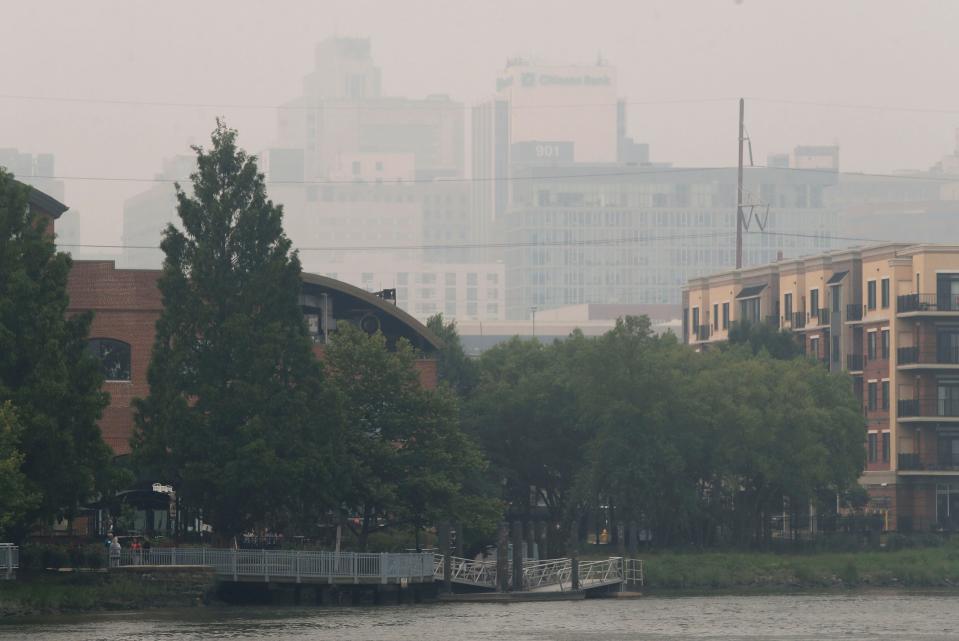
[[548, 575], [289, 566]]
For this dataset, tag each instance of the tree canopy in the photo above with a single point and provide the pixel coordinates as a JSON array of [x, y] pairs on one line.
[[697, 448], [50, 381], [238, 417], [409, 461]]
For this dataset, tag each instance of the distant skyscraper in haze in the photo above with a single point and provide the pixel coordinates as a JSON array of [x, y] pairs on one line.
[[38, 170], [576, 104], [342, 112], [147, 214], [631, 235]]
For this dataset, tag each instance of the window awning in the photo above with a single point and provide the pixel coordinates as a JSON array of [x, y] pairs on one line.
[[750, 291], [835, 278]]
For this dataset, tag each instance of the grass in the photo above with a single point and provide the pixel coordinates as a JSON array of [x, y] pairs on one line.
[[87, 591], [926, 567]]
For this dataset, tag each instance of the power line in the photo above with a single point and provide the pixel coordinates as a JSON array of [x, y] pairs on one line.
[[387, 183], [426, 103], [863, 107], [370, 105], [503, 245], [610, 174]]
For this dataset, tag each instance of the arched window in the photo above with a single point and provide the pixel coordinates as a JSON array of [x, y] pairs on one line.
[[114, 357]]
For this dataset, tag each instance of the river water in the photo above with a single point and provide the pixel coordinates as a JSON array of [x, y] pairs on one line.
[[850, 617]]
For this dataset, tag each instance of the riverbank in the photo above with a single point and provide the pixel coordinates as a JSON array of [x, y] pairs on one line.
[[706, 572], [74, 592]]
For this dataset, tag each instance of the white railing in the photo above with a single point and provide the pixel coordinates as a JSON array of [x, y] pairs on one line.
[[593, 573], [9, 560], [481, 573], [634, 573], [546, 574], [291, 565], [541, 574]]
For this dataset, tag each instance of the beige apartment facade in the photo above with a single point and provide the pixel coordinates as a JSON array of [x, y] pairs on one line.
[[889, 316]]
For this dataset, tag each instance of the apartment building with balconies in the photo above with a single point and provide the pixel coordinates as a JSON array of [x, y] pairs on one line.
[[889, 316]]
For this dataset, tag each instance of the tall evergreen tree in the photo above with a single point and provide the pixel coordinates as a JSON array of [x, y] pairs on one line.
[[46, 373], [455, 368], [238, 418]]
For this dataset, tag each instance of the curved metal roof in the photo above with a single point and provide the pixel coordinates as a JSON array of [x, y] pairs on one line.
[[426, 336]]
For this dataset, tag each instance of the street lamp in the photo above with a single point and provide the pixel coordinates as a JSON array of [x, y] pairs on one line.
[[533, 311]]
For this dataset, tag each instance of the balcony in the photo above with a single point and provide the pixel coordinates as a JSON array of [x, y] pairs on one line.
[[923, 303], [855, 362], [914, 356], [914, 462], [823, 315], [928, 408], [798, 320], [854, 312]]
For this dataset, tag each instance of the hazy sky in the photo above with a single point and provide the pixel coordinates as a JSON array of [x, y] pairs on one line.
[[880, 53]]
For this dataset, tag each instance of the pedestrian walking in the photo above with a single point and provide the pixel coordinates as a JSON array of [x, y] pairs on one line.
[[115, 548]]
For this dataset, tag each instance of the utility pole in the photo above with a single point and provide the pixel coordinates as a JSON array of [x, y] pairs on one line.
[[739, 189]]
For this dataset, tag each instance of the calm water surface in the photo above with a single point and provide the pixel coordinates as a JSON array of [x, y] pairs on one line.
[[793, 617]]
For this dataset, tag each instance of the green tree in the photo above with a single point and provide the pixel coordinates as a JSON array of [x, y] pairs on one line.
[[410, 463], [779, 343], [45, 370], [238, 417], [16, 497], [455, 368], [525, 414]]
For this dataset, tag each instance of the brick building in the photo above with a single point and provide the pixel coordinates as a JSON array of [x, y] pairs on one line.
[[126, 305], [889, 316]]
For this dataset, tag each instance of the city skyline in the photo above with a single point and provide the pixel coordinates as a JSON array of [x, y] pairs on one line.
[[690, 127]]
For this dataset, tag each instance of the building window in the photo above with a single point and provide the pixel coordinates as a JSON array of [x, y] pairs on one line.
[[356, 167], [884, 293], [871, 294], [884, 342], [873, 395], [695, 319], [492, 309], [885, 395], [872, 447], [725, 315], [471, 279], [814, 347], [788, 305], [814, 302], [885, 447], [492, 279], [450, 279], [715, 315], [749, 310], [402, 278], [871, 346], [471, 309], [114, 357], [450, 293]]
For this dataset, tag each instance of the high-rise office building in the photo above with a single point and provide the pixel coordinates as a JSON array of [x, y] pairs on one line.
[[624, 234], [342, 112]]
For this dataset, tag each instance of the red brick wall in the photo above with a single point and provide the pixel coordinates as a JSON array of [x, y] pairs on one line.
[[126, 305]]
